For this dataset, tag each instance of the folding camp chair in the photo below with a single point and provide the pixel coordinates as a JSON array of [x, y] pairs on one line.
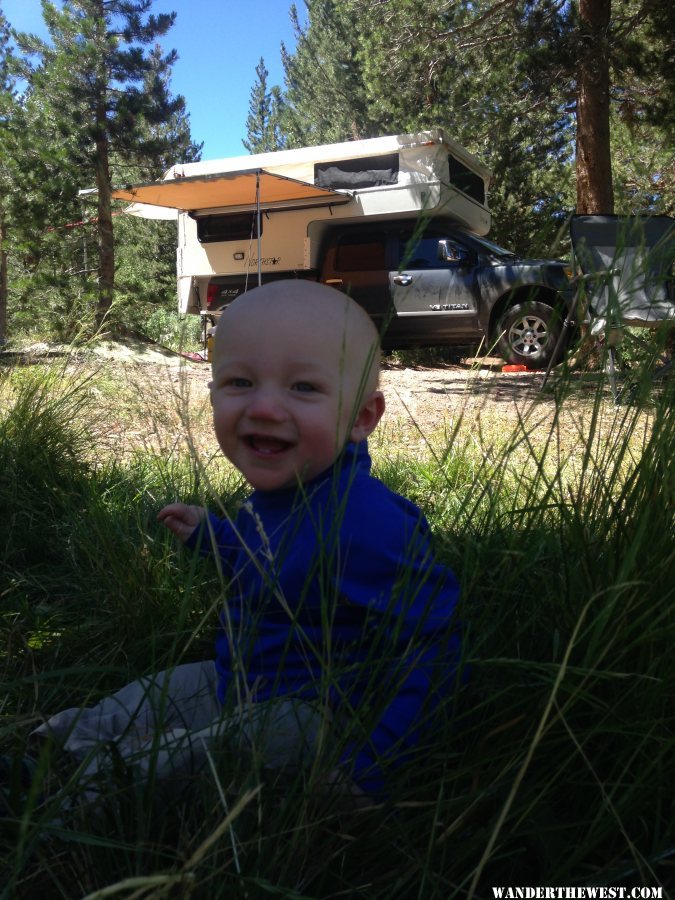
[[627, 267]]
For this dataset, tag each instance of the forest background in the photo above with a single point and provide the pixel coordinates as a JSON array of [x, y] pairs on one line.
[[569, 103]]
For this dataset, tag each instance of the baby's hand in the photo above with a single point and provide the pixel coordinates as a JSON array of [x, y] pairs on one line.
[[181, 519]]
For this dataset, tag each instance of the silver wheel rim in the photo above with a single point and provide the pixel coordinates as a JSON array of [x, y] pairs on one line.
[[529, 335]]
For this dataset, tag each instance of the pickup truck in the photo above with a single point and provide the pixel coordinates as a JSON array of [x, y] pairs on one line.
[[437, 285]]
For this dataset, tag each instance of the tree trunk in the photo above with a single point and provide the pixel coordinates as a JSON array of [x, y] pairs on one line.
[[106, 243], [3, 280], [595, 193]]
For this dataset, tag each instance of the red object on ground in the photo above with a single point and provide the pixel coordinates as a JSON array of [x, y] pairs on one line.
[[515, 367]]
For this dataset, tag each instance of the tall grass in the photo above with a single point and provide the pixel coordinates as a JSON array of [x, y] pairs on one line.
[[554, 764]]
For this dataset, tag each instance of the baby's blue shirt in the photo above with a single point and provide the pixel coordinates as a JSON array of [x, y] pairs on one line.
[[322, 576]]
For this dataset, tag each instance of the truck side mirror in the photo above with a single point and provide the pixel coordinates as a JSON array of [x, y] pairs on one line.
[[451, 253]]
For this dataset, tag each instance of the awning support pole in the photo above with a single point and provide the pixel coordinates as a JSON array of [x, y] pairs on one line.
[[257, 207]]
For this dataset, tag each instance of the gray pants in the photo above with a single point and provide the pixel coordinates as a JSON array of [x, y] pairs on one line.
[[168, 724]]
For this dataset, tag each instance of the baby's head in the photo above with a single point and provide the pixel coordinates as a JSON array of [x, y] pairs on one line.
[[295, 373]]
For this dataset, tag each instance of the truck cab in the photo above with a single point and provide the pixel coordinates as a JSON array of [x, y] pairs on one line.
[[443, 285]]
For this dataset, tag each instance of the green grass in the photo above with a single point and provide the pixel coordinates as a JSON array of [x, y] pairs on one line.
[[555, 763]]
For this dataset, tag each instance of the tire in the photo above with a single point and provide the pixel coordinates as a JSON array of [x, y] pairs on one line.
[[528, 334]]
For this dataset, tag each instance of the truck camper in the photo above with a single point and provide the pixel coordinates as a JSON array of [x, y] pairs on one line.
[[264, 212], [399, 222]]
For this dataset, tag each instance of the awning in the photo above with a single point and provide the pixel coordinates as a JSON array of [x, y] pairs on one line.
[[229, 190]]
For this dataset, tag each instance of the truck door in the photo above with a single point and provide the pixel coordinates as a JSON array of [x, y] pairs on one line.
[[433, 289], [356, 263]]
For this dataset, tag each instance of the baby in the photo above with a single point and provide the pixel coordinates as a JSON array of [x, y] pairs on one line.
[[338, 628]]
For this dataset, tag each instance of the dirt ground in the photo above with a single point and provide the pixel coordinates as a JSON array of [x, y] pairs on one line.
[[155, 392], [423, 403], [424, 397]]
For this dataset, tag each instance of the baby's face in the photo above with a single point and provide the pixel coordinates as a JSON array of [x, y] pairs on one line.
[[283, 395]]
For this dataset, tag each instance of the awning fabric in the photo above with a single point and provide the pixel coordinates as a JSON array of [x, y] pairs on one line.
[[229, 190]]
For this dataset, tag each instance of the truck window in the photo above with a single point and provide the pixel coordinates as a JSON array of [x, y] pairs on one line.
[[355, 174], [361, 253], [427, 252], [228, 227]]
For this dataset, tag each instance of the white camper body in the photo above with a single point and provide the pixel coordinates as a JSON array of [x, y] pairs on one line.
[[291, 196]]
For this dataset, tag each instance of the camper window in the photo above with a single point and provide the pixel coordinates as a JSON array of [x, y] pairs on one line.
[[355, 174], [467, 181], [231, 227]]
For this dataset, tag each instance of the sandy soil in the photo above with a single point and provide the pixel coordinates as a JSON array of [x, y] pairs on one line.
[[423, 397], [157, 395]]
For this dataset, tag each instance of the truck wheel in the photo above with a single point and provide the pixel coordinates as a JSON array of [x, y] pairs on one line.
[[528, 334]]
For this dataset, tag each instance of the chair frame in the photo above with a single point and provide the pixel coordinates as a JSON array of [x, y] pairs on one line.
[[632, 283]]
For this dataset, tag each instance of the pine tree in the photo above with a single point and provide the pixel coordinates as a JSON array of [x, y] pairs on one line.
[[145, 248], [7, 101], [91, 76], [608, 61], [324, 99], [264, 111]]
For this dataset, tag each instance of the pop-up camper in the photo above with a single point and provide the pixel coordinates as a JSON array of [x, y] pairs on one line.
[[267, 214], [397, 222]]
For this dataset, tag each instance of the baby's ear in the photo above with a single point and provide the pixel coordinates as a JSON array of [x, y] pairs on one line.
[[368, 416]]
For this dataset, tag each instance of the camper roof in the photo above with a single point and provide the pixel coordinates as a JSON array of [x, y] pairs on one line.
[[325, 152], [303, 177]]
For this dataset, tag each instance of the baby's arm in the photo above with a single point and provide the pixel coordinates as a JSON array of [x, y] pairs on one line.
[[182, 519]]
